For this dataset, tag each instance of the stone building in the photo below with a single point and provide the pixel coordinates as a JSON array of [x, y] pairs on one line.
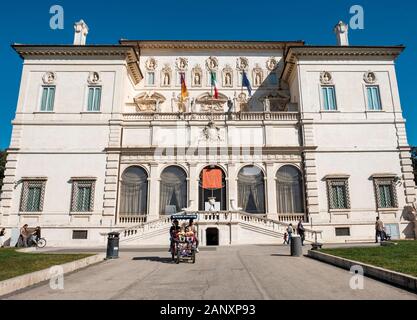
[[120, 137]]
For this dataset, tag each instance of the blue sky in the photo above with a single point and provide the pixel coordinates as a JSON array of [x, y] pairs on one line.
[[387, 22]]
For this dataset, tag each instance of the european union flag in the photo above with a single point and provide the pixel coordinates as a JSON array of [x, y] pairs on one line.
[[246, 83]]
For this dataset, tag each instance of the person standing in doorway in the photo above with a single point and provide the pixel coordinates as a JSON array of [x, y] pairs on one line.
[[379, 230], [301, 231], [290, 230]]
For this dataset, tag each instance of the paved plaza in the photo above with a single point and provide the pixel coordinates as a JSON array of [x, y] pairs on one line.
[[223, 273]]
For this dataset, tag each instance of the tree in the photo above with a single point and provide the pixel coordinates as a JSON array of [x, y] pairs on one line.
[[3, 156], [414, 159]]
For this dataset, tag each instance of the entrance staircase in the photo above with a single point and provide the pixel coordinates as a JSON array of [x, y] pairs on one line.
[[157, 232]]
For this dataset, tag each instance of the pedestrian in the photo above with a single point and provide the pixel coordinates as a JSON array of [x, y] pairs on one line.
[[192, 227], [379, 230], [301, 231], [2, 234], [290, 230], [286, 238], [23, 237], [173, 234]]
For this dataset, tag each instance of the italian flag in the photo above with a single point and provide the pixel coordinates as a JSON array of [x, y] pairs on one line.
[[214, 85]]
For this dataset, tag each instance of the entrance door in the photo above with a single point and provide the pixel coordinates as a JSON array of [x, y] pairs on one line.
[[212, 189], [212, 237]]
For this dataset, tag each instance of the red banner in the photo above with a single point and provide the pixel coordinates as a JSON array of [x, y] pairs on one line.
[[212, 179]]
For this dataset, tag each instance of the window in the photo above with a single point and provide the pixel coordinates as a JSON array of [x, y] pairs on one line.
[[251, 190], [374, 98], [386, 196], [151, 78], [342, 232], [94, 98], [79, 234], [173, 190], [338, 194], [32, 196], [329, 98], [48, 98], [82, 196], [289, 190], [134, 192]]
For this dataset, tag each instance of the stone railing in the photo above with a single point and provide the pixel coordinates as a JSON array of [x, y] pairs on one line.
[[218, 217], [201, 116], [290, 218], [125, 219]]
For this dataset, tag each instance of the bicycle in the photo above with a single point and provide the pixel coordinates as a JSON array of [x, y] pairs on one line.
[[39, 243]]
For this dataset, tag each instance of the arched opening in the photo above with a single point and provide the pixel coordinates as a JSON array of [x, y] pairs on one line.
[[212, 189], [251, 190], [212, 237], [173, 190], [290, 199], [134, 192]]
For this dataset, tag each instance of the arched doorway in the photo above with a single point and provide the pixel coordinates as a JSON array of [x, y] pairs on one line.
[[251, 189], [212, 189], [173, 190], [134, 192], [212, 237], [290, 191]]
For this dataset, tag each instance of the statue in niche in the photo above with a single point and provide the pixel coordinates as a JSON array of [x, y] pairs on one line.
[[228, 79], [167, 79], [197, 79], [258, 79]]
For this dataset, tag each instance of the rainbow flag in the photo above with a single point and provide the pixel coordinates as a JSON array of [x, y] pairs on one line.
[[184, 91]]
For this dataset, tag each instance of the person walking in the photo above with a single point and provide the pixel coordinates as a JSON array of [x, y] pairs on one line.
[[379, 230], [2, 234], [301, 231], [286, 238], [290, 230]]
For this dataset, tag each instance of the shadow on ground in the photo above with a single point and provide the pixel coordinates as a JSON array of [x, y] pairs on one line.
[[154, 259]]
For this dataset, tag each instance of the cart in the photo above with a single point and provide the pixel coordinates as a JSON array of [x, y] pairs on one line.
[[183, 248]]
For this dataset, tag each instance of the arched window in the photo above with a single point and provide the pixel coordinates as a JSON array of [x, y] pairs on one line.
[[134, 192], [289, 190], [251, 189], [173, 192]]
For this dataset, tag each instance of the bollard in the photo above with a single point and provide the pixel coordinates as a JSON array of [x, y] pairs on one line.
[[296, 248], [113, 245]]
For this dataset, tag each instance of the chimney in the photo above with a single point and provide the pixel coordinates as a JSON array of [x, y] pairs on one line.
[[342, 30], [80, 35]]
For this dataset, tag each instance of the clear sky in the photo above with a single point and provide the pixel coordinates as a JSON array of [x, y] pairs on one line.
[[387, 22]]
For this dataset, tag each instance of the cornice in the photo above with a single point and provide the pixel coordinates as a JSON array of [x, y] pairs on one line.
[[127, 52], [212, 44], [295, 53]]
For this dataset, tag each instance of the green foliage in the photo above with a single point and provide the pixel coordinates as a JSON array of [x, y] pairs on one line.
[[14, 264], [401, 258], [3, 156], [414, 159]]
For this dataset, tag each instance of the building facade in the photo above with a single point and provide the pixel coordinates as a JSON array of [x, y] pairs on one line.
[[250, 136]]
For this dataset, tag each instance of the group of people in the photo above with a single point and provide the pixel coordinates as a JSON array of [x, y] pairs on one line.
[[290, 231], [27, 237], [184, 233]]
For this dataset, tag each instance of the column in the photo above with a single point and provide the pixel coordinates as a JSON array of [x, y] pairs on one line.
[[154, 192], [271, 192], [193, 187], [231, 185]]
